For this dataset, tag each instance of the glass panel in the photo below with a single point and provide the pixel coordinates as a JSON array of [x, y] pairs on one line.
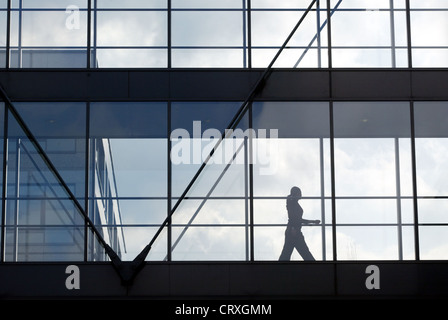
[[60, 128], [208, 58], [207, 4], [431, 143], [373, 173], [131, 28], [299, 152], [128, 165], [130, 58], [48, 58], [38, 4], [375, 39], [49, 29], [431, 58], [429, 29], [195, 130], [367, 243], [275, 4], [297, 58], [432, 210], [219, 197], [368, 4], [428, 4], [433, 242], [295, 152], [271, 28], [135, 240], [210, 211], [44, 244], [207, 28], [3, 35], [210, 243], [131, 4], [42, 222]]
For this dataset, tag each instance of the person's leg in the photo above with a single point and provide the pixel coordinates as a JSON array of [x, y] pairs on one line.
[[288, 247], [302, 248]]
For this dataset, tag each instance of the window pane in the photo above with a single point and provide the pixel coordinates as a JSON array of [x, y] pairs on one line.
[[370, 139], [60, 128], [207, 28], [130, 58], [128, 172], [44, 244], [3, 27], [373, 171], [211, 243], [433, 240], [429, 28], [131, 4], [42, 222], [429, 4], [273, 4], [196, 128], [208, 58], [135, 240], [37, 4], [431, 119], [271, 28], [299, 152], [132, 28], [206, 4], [376, 40], [368, 243], [48, 28]]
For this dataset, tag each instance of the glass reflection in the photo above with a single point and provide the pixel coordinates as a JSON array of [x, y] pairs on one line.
[[42, 221], [128, 172]]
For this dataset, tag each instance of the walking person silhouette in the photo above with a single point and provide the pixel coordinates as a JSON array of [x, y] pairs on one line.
[[293, 234]]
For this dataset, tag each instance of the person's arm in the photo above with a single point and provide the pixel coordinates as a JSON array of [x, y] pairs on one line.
[[306, 221]]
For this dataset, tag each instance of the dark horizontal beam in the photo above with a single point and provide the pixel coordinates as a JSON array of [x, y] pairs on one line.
[[273, 280], [224, 84]]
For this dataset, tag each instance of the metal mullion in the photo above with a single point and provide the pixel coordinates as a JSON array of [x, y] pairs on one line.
[[89, 32], [246, 200], [408, 28], [392, 34], [414, 184], [322, 196], [4, 182], [244, 33], [169, 184], [8, 36], [86, 178], [169, 38], [398, 192], [251, 184], [249, 33]]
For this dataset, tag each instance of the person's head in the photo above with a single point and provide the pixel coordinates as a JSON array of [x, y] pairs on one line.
[[296, 192]]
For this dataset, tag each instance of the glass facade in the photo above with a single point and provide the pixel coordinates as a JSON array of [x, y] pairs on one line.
[[222, 34], [83, 172], [371, 172]]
